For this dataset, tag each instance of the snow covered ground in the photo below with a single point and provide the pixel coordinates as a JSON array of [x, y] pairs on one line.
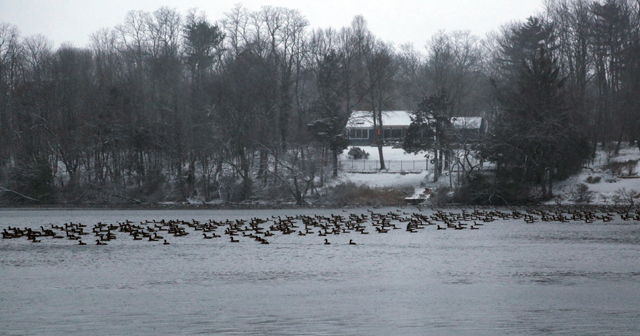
[[610, 189], [418, 179]]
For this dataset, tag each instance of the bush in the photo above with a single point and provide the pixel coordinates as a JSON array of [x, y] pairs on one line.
[[352, 194], [593, 180], [357, 153], [482, 190], [624, 196], [29, 182], [617, 168], [583, 194], [441, 196], [230, 189]]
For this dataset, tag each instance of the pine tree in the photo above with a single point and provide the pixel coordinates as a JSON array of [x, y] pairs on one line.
[[429, 130], [328, 128], [536, 138]]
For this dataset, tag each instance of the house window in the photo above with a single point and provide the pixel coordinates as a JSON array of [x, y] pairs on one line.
[[396, 133], [358, 134]]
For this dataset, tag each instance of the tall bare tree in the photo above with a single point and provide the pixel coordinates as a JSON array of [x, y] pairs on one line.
[[611, 36], [10, 63], [380, 88]]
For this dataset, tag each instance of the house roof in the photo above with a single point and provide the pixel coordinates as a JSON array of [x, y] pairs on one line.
[[362, 119]]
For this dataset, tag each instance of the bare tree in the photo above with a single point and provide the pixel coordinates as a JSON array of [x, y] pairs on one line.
[[412, 82], [611, 36], [380, 89], [454, 66], [10, 63]]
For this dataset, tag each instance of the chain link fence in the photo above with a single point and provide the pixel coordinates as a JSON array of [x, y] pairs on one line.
[[391, 166]]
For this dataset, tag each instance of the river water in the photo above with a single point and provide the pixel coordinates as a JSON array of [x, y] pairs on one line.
[[507, 278]]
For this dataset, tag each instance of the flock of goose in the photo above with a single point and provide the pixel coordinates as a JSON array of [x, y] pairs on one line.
[[259, 229]]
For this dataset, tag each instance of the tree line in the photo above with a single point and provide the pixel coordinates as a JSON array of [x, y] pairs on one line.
[[564, 84], [167, 106]]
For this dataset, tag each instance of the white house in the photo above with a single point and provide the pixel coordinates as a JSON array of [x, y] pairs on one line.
[[395, 123]]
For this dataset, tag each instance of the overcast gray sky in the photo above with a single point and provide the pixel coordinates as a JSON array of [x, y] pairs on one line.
[[398, 21]]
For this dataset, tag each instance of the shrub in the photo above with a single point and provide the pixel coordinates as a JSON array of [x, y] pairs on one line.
[[624, 196], [617, 168], [441, 196], [357, 153], [30, 182], [593, 180], [230, 189], [351, 194], [479, 189], [583, 194]]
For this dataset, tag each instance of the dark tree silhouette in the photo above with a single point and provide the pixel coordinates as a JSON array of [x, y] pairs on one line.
[[430, 129], [536, 138], [331, 120]]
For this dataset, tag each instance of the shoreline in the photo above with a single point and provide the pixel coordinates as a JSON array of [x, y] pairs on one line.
[[232, 206]]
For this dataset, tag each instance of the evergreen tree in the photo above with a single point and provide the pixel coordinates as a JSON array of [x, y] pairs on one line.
[[535, 139], [328, 128], [521, 45], [430, 129]]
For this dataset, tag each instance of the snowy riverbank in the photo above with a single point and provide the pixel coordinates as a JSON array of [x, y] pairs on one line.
[[604, 185]]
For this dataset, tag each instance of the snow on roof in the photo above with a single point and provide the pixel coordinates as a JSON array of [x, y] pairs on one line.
[[362, 119]]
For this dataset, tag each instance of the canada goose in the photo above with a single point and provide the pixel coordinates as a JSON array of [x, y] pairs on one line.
[[166, 242], [234, 240], [80, 242], [326, 242], [98, 242], [351, 242]]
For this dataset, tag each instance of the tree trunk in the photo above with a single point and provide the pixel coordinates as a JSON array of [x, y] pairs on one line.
[[246, 177], [262, 169], [380, 141], [380, 153], [436, 165], [334, 156]]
